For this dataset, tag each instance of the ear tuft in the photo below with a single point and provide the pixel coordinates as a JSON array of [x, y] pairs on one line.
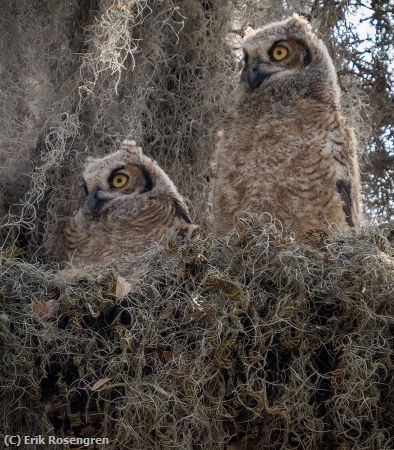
[[306, 16], [302, 20], [248, 31], [130, 146], [90, 160]]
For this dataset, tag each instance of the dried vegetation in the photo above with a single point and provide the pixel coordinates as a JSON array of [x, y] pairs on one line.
[[252, 338]]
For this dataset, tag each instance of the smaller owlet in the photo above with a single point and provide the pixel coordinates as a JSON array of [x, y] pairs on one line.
[[130, 204]]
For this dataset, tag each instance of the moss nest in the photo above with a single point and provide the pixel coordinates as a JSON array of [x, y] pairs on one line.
[[251, 340]]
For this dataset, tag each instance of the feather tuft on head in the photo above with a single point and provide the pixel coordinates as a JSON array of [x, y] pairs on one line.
[[130, 146]]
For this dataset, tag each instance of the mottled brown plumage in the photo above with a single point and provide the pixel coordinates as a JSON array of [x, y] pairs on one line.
[[285, 147], [117, 220]]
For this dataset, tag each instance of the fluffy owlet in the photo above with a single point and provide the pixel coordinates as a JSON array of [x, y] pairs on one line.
[[285, 147], [130, 204]]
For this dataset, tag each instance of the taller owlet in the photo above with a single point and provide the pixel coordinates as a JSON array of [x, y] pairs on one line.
[[285, 147], [131, 203]]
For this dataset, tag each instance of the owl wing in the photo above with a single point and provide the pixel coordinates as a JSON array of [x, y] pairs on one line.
[[187, 228], [167, 214], [181, 210], [348, 183], [76, 233], [344, 189]]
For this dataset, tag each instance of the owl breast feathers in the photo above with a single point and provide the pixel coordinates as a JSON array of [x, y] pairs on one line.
[[285, 147], [130, 204]]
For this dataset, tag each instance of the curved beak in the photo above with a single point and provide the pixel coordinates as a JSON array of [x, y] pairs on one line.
[[256, 76], [94, 203]]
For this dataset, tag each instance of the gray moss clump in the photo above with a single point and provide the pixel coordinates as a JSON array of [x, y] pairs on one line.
[[251, 339]]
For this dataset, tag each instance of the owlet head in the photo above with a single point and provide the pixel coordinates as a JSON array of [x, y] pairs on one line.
[[280, 53], [126, 172]]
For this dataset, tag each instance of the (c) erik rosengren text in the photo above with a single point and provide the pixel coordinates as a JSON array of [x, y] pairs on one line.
[[54, 440]]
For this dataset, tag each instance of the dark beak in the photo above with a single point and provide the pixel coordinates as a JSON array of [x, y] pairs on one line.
[[256, 76], [94, 203]]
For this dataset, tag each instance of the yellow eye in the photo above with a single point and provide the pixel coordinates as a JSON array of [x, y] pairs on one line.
[[119, 180], [279, 53]]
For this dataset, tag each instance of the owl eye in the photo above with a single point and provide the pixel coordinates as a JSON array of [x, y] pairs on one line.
[[119, 180], [279, 53]]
